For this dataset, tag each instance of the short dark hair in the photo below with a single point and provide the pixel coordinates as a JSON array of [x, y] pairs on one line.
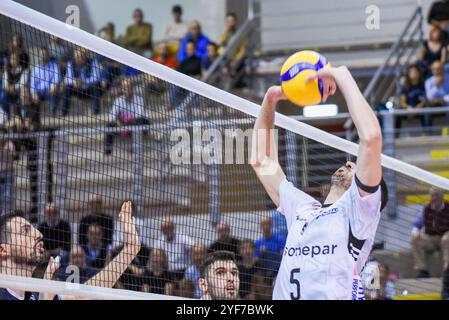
[[231, 14], [191, 41], [176, 9], [4, 219], [211, 43], [215, 256]]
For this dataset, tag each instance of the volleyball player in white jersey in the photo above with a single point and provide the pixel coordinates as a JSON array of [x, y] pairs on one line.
[[327, 244]]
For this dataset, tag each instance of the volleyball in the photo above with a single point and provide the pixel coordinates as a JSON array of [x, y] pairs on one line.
[[294, 73]]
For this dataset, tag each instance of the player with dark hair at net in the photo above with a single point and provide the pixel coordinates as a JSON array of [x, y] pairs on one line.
[[22, 250], [328, 243], [219, 278]]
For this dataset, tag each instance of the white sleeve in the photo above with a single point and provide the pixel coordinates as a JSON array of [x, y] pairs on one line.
[[292, 201], [364, 212]]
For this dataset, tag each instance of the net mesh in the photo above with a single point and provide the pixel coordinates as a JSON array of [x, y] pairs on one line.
[[84, 133]]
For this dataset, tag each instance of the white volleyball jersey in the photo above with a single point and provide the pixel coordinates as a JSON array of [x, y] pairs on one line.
[[327, 246]]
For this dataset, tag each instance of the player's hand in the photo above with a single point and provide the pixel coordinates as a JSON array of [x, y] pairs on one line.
[[330, 77], [203, 286], [53, 265], [275, 94], [128, 226]]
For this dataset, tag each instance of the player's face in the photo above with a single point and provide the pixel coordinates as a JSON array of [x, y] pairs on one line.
[[343, 176], [223, 280], [26, 245]]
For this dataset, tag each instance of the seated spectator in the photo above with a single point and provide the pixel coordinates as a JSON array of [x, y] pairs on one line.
[[247, 266], [82, 80], [156, 277], [16, 46], [7, 154], [431, 232], [127, 110], [200, 43], [76, 266], [110, 69], [437, 88], [186, 289], [163, 57], [212, 55], [269, 247], [44, 80], [261, 286], [193, 272], [413, 96], [177, 29], [191, 66], [96, 216], [56, 233], [432, 50], [177, 248], [439, 15], [59, 52], [236, 57], [225, 241], [139, 36], [131, 279], [95, 248], [15, 81]]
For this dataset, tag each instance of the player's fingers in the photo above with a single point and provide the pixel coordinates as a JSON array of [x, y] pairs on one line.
[[333, 89], [326, 87], [311, 77]]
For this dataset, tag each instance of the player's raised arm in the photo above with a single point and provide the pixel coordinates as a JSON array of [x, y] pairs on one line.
[[264, 154], [109, 275], [369, 170]]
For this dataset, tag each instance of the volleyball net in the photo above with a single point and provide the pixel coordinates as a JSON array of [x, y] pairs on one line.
[[89, 125]]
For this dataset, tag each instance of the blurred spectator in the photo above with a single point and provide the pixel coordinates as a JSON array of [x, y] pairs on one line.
[[156, 276], [131, 279], [107, 32], [200, 43], [261, 286], [225, 241], [212, 55], [163, 57], [431, 232], [127, 110], [191, 66], [45, 79], [15, 81], [110, 69], [56, 233], [177, 29], [59, 52], [193, 272], [236, 57], [16, 46], [82, 80], [269, 247], [139, 36], [247, 266], [7, 154], [95, 248], [432, 50], [77, 259], [177, 248], [186, 289], [413, 96], [96, 216], [437, 88], [439, 15]]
